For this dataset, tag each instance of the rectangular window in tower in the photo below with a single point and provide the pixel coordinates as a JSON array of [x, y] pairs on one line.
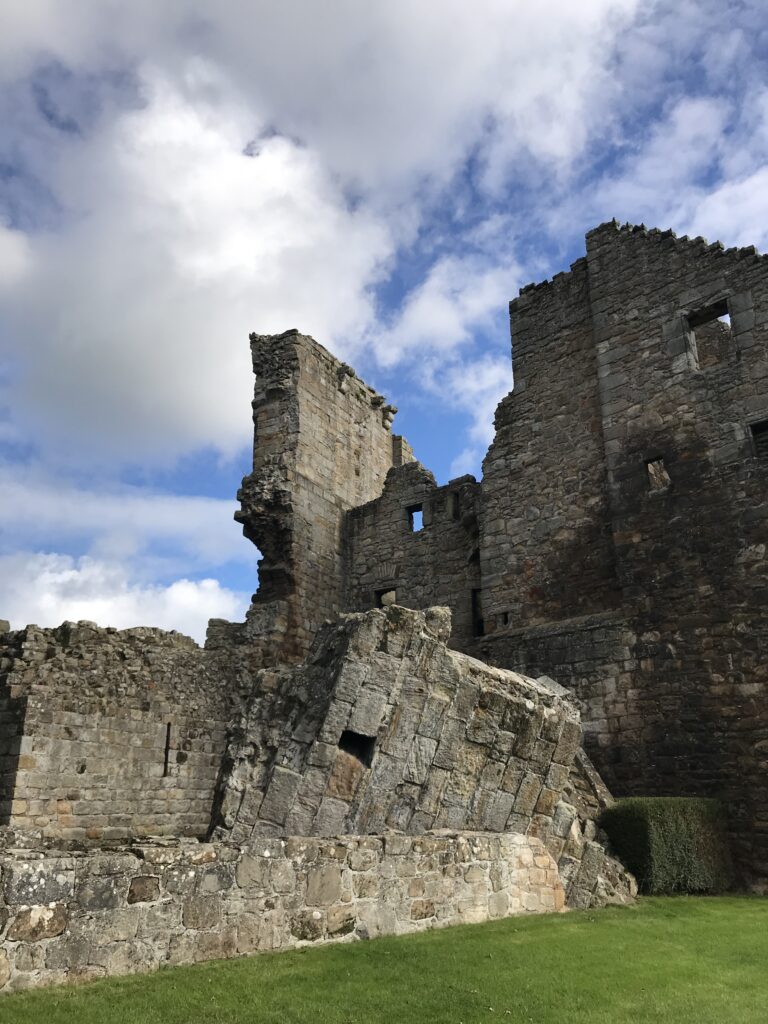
[[416, 518], [709, 334]]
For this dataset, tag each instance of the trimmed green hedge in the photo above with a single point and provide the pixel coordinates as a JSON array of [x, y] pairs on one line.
[[671, 844]]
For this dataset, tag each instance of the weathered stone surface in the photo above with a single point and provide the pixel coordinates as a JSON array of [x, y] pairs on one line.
[[453, 774], [35, 923], [144, 889], [38, 881], [202, 912], [323, 885], [309, 893]]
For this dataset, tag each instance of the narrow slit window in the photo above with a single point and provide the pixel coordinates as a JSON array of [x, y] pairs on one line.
[[760, 439], [478, 625], [416, 518], [505, 618], [455, 505], [384, 598], [167, 755], [359, 746], [658, 477]]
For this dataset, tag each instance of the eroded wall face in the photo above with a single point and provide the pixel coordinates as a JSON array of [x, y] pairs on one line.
[[122, 733], [322, 445], [417, 546]]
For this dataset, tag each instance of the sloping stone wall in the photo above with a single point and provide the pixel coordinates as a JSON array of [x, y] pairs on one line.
[[68, 917], [385, 727]]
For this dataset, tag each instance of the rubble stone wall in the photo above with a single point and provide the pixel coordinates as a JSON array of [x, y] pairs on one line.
[[68, 917], [111, 733]]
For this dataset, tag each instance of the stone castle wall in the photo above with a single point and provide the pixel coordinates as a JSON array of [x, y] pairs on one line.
[[621, 518], [68, 917], [111, 733], [438, 564], [675, 701], [546, 550]]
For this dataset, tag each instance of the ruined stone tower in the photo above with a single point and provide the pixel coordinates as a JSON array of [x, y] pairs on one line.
[[422, 658], [617, 540]]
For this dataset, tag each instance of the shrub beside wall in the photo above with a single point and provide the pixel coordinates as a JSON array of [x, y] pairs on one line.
[[671, 844]]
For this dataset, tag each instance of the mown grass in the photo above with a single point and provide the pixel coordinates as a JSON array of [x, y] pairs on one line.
[[683, 960]]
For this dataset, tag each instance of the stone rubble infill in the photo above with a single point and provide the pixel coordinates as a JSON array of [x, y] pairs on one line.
[[75, 916]]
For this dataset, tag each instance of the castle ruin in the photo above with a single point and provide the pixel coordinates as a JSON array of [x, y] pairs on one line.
[[407, 730]]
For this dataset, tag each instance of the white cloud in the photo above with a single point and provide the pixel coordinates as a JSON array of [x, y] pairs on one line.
[[175, 244], [164, 243], [736, 211], [459, 296], [47, 589], [477, 387], [14, 257], [38, 510]]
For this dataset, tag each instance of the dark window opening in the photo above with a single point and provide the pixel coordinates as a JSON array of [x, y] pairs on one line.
[[167, 759], [455, 505], [505, 618], [359, 746], [709, 334], [658, 477], [416, 518], [478, 625], [384, 598], [760, 439], [474, 556]]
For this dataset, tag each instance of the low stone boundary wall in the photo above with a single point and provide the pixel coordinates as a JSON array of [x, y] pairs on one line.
[[68, 916]]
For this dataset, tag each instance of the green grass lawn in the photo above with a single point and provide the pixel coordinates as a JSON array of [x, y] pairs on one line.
[[679, 960]]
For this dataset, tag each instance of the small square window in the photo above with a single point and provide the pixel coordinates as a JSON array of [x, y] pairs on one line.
[[416, 518], [359, 746], [760, 439], [658, 477]]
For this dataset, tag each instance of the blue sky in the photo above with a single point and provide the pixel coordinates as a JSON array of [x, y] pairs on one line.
[[382, 176]]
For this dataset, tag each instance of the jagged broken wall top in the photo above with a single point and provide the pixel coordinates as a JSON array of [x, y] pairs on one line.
[[322, 445]]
